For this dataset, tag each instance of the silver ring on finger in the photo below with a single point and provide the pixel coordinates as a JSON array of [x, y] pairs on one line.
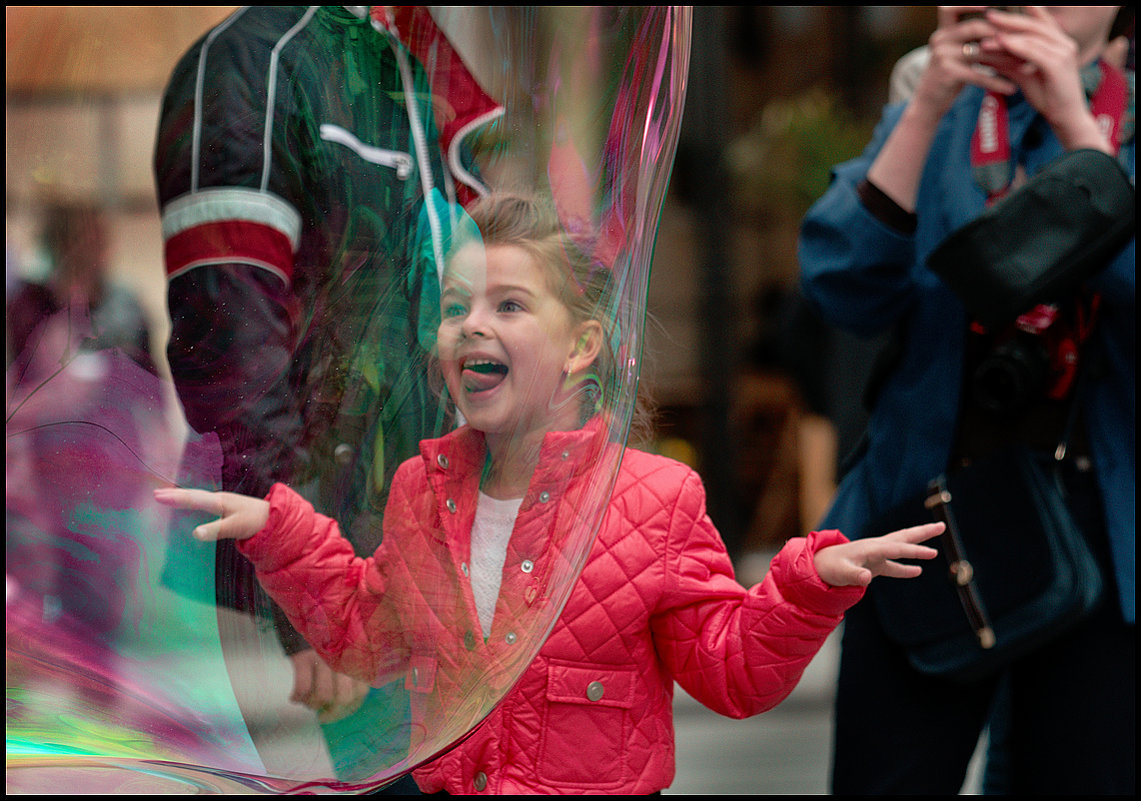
[[970, 50]]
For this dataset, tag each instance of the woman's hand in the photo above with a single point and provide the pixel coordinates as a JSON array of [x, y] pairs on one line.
[[956, 49], [856, 563], [1034, 52], [239, 516]]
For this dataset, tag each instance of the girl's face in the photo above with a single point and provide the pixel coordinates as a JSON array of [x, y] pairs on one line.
[[507, 343]]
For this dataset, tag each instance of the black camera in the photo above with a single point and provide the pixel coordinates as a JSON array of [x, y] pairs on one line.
[[1013, 374]]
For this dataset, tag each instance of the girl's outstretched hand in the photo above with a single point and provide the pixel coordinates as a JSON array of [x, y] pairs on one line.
[[239, 516], [858, 562]]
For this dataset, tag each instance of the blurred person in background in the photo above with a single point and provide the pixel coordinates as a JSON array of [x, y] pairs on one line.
[[76, 248], [1068, 724], [78, 412], [302, 196]]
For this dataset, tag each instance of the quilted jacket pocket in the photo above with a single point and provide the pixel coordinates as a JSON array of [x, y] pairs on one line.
[[587, 722]]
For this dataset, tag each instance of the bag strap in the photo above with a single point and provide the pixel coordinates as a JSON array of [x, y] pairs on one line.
[[938, 502], [962, 573]]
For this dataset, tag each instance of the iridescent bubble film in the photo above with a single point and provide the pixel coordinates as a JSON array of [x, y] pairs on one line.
[[315, 171]]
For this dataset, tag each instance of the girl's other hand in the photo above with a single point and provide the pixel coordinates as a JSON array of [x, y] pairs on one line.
[[239, 516], [856, 563]]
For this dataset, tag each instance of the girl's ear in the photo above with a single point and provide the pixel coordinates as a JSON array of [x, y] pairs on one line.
[[587, 344]]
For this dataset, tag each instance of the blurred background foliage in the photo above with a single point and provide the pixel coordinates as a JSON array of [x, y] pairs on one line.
[[782, 163]]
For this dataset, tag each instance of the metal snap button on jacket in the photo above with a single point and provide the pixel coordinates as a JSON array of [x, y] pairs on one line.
[[595, 690]]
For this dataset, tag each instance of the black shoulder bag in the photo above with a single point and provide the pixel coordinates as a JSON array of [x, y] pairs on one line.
[[1014, 570], [1039, 243]]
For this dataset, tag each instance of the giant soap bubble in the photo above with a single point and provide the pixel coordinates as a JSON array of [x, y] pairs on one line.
[[315, 169]]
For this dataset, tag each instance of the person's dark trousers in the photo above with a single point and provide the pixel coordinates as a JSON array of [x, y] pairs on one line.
[[1069, 724]]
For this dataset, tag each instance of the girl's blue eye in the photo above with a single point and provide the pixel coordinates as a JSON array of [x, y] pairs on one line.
[[453, 310], [510, 306]]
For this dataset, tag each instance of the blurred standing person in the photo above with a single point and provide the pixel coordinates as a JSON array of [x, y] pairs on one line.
[[77, 417], [304, 186], [77, 247], [863, 252]]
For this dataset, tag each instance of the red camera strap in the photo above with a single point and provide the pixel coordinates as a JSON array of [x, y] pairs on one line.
[[991, 152], [991, 164]]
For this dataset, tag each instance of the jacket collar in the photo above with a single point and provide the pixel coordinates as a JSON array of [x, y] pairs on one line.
[[463, 451]]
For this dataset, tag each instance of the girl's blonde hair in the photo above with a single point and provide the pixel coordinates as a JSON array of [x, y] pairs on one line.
[[584, 285]]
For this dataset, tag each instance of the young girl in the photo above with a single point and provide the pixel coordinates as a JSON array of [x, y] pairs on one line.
[[470, 534]]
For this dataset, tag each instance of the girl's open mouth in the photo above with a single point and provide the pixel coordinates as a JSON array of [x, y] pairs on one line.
[[480, 375]]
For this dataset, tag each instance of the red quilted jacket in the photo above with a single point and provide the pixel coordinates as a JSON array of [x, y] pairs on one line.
[[592, 713]]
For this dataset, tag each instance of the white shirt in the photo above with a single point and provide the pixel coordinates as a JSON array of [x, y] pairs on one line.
[[490, 533]]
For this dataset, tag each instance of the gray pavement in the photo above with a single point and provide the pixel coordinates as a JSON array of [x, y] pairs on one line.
[[785, 751]]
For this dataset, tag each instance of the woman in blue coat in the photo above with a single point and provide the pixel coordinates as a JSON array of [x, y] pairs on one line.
[[1002, 96]]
